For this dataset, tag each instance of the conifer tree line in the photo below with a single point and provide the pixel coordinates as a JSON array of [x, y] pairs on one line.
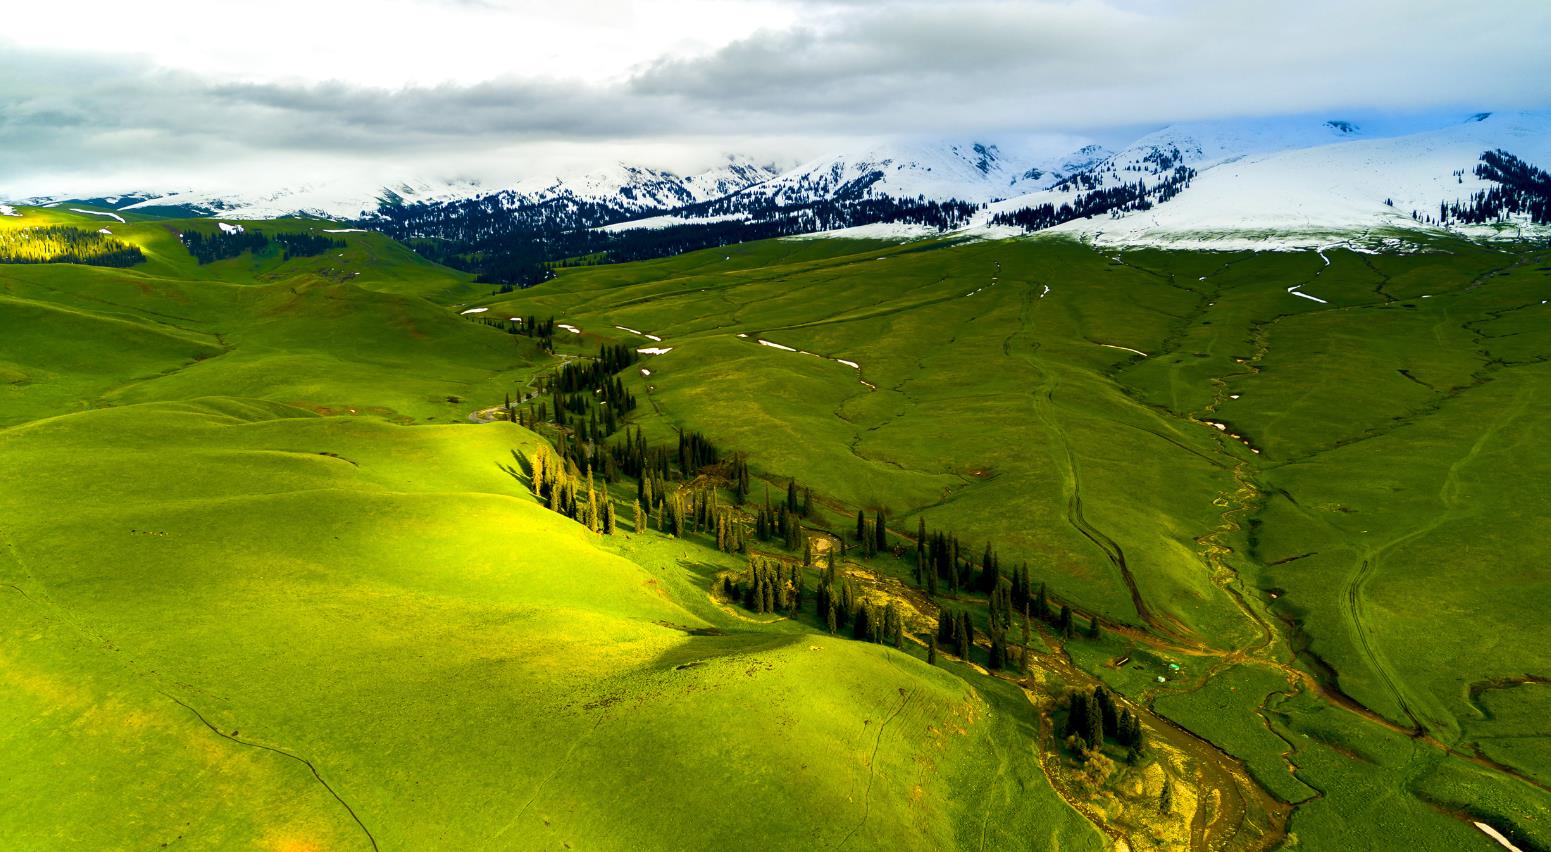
[[515, 244], [556, 482], [1093, 717], [768, 586], [586, 403], [677, 493], [783, 522], [941, 562], [840, 605], [305, 245], [63, 244], [223, 245], [1125, 198], [1522, 189], [541, 330]]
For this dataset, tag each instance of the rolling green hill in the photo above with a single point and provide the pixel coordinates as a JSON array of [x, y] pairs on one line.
[[1314, 507], [265, 585], [254, 596]]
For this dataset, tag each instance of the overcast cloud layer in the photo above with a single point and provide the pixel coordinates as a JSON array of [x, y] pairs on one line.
[[172, 93]]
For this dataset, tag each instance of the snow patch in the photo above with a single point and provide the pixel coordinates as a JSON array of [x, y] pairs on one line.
[[474, 311], [1123, 348], [114, 216], [345, 231], [877, 231], [8, 210], [655, 350], [1304, 295], [229, 229], [1497, 836], [645, 372], [852, 364], [571, 328], [651, 337], [105, 231], [657, 223]]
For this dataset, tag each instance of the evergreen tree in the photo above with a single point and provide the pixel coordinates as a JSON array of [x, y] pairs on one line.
[[1095, 726], [1067, 628], [640, 518], [1093, 627], [880, 533], [861, 526], [1107, 713], [1077, 716], [998, 659], [861, 623], [740, 489], [931, 651]]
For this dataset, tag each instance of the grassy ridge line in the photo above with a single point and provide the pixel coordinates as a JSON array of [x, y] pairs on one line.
[[536, 656]]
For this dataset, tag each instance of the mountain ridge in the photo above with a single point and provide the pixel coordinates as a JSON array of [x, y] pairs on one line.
[[1254, 182]]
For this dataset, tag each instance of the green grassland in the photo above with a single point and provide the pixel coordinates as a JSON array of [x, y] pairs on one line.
[[265, 586], [1338, 495]]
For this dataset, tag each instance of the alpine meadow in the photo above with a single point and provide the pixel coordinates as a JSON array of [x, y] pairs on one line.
[[775, 425]]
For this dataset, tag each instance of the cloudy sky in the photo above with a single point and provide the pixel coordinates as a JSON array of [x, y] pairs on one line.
[[99, 95]]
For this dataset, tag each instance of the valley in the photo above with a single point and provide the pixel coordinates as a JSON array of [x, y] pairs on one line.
[[256, 553]]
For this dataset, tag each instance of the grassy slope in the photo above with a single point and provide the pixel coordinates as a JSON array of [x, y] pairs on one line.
[[226, 617], [1388, 514], [309, 332]]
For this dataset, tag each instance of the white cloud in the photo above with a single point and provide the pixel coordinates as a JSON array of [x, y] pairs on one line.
[[201, 91]]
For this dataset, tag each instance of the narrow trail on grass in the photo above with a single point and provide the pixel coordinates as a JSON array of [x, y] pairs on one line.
[[1072, 475], [872, 769], [539, 788], [282, 752], [98, 640], [1354, 599]]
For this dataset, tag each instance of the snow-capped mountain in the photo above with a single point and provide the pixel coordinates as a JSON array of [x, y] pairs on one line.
[[634, 188], [623, 187], [974, 171], [1258, 182], [1306, 186], [323, 200], [734, 175]]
